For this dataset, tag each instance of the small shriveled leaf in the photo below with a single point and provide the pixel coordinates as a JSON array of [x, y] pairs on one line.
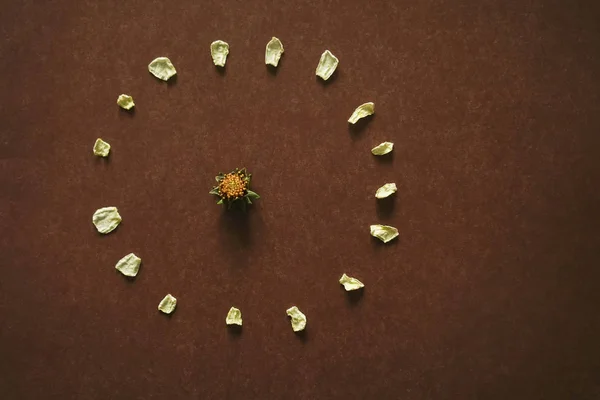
[[234, 317], [168, 304], [384, 232], [350, 283], [125, 101], [106, 219], [219, 50], [162, 68], [273, 52], [129, 265], [364, 110], [386, 190], [327, 65], [253, 195], [101, 148], [298, 318], [382, 149]]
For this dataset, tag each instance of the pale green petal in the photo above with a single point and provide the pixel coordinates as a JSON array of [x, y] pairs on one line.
[[106, 219], [219, 50], [168, 304], [129, 265], [273, 52], [162, 68], [386, 190], [234, 317], [101, 148], [364, 110], [384, 232], [350, 283], [125, 101], [382, 148], [298, 319], [327, 65]]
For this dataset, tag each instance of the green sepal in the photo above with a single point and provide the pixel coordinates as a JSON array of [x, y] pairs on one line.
[[214, 190], [220, 201], [252, 195]]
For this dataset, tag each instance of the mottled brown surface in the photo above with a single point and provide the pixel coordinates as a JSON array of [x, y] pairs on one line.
[[491, 291]]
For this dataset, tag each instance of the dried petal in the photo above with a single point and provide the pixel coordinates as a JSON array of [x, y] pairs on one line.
[[384, 232], [298, 319], [168, 304], [106, 219], [350, 283], [386, 190], [162, 68], [219, 50], [327, 65], [364, 110], [234, 317], [129, 265], [125, 101], [273, 52], [101, 148], [382, 148]]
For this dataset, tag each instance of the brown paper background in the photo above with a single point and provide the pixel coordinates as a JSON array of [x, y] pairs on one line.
[[491, 291]]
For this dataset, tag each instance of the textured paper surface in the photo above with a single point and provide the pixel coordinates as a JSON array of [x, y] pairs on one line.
[[491, 293]]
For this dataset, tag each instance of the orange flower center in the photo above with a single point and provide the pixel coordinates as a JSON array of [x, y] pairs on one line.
[[232, 186]]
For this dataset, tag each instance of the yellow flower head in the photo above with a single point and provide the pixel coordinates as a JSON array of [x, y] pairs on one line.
[[232, 186]]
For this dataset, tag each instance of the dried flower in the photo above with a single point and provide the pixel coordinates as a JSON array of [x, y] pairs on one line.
[[234, 186]]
